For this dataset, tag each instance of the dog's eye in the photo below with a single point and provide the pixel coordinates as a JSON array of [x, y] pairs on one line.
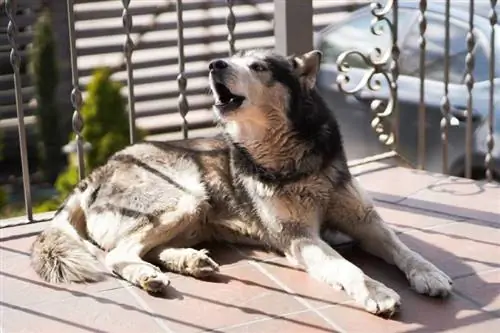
[[256, 67]]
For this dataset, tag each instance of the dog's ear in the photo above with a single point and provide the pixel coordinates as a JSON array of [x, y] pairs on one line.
[[307, 66]]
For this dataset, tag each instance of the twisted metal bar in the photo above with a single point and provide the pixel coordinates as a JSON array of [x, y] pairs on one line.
[[76, 95], [128, 48], [395, 69], [376, 60], [182, 102], [231, 24], [469, 82], [15, 60], [421, 106], [490, 141], [445, 101]]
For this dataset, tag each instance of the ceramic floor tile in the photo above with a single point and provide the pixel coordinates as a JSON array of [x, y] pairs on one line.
[[482, 288], [395, 184], [407, 219], [461, 197], [112, 311], [238, 295], [20, 285], [418, 314], [306, 322], [17, 240], [459, 248]]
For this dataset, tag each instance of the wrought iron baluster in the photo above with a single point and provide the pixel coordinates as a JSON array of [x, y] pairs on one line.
[[377, 60], [395, 69], [445, 101], [128, 48], [182, 102], [231, 24], [469, 82], [15, 60], [490, 142], [421, 106], [76, 95]]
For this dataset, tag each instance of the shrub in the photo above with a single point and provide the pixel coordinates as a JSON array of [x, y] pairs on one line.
[[44, 72], [106, 126], [3, 198]]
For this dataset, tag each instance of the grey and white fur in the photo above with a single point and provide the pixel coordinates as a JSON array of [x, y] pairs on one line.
[[277, 176]]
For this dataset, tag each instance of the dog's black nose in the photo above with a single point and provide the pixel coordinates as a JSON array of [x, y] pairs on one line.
[[217, 65]]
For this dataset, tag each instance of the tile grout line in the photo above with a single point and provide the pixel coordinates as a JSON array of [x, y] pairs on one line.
[[294, 295], [430, 228], [298, 298], [492, 314], [486, 271], [145, 307], [285, 315]]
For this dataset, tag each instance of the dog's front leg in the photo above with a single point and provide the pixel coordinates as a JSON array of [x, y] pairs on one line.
[[360, 220], [325, 264]]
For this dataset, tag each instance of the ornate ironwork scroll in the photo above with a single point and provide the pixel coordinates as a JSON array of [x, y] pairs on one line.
[[376, 60], [15, 60], [128, 48]]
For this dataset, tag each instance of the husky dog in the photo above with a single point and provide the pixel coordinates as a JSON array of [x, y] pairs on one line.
[[277, 176]]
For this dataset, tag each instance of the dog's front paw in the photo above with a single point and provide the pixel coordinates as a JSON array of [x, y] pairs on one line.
[[426, 279], [378, 299], [155, 283]]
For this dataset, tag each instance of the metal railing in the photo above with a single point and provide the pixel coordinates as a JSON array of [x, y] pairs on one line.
[[377, 61], [295, 38]]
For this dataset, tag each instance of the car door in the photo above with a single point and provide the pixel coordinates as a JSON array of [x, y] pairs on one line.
[[354, 115]]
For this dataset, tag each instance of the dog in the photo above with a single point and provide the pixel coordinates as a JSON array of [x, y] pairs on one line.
[[276, 176]]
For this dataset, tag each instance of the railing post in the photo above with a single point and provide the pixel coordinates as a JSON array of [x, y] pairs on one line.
[[490, 141], [231, 24], [469, 82], [182, 102], [76, 95], [128, 48], [293, 26], [15, 60], [445, 101]]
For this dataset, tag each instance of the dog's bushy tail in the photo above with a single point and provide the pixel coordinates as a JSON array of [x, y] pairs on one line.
[[59, 254]]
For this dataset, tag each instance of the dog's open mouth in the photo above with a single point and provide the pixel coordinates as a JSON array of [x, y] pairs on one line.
[[225, 100]]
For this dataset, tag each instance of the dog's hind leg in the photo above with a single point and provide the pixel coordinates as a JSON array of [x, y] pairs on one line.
[[125, 261], [325, 264], [187, 261], [358, 218]]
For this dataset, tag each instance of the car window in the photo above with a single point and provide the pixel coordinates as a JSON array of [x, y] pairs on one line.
[[356, 35], [434, 62]]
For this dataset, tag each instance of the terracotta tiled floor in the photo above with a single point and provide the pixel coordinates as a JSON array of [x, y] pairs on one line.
[[453, 222]]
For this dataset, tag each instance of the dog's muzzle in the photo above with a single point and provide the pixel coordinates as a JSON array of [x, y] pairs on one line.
[[225, 100]]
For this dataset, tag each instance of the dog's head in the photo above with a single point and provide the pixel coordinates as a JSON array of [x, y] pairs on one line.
[[259, 92]]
